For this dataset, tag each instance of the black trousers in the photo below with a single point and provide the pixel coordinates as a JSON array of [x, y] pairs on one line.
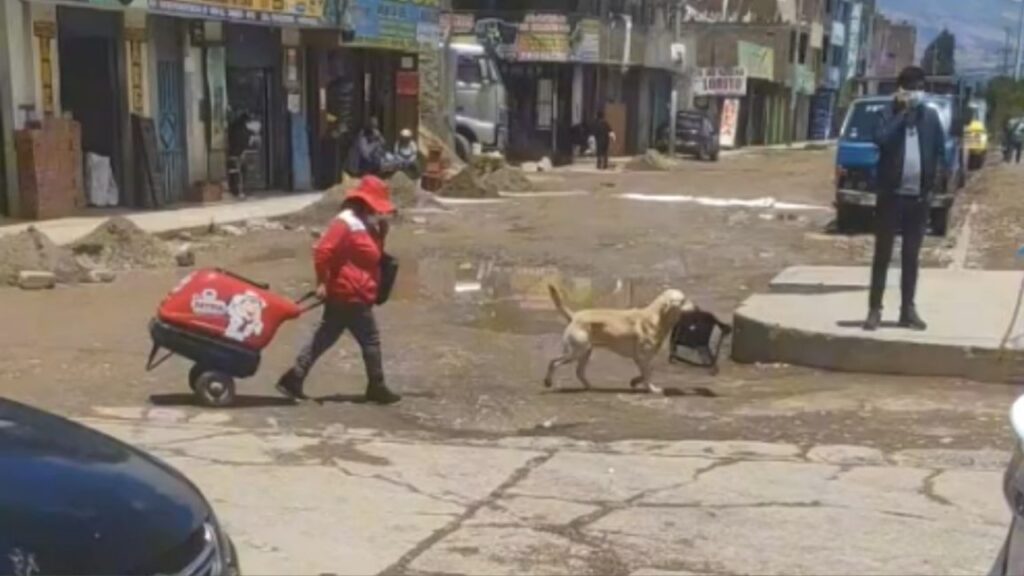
[[337, 318], [908, 215], [602, 155]]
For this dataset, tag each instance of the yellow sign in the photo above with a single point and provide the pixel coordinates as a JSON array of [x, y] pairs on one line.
[[283, 11], [758, 60]]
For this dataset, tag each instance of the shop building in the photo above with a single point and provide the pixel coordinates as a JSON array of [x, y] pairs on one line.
[[758, 65], [561, 67], [155, 86]]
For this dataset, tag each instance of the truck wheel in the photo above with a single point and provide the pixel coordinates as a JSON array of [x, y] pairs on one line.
[[700, 153], [714, 156], [215, 389], [938, 219], [463, 148], [846, 219], [193, 375], [975, 162]]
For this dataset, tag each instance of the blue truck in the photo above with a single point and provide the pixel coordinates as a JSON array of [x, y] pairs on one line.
[[856, 175]]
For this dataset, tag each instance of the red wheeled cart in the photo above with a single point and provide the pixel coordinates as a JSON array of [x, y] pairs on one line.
[[221, 322]]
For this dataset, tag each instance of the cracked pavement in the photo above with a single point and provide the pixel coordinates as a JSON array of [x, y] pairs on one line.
[[364, 501]]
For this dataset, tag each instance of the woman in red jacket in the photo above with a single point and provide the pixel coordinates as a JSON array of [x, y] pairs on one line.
[[347, 260]]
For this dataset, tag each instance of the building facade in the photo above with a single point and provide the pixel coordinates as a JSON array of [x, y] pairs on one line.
[[563, 62], [758, 64], [155, 85]]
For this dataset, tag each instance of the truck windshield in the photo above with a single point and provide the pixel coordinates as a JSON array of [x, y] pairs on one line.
[[863, 119]]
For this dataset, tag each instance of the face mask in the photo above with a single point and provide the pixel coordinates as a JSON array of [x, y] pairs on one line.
[[375, 220], [915, 96]]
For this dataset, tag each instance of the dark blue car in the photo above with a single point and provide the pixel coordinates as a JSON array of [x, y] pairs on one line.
[[74, 501], [857, 163]]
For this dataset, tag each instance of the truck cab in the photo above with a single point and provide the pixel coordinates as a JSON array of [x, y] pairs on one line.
[[481, 107], [857, 157]]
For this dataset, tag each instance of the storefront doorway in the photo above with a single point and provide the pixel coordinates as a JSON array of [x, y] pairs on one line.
[[254, 62], [89, 45], [169, 114]]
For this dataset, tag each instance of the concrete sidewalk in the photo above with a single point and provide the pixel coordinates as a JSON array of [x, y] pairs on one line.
[[67, 230], [347, 501], [813, 316]]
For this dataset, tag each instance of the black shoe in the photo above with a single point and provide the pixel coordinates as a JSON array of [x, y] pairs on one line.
[[380, 394], [910, 319], [289, 386], [874, 320]]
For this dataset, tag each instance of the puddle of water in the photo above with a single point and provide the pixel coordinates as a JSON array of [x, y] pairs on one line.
[[515, 299]]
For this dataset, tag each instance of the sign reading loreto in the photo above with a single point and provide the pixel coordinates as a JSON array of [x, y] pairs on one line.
[[759, 61], [398, 24], [307, 12], [720, 82], [543, 37]]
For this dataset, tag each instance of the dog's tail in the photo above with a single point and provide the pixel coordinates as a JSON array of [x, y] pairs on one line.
[[556, 297]]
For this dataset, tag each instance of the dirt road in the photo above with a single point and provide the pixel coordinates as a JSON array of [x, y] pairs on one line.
[[471, 328]]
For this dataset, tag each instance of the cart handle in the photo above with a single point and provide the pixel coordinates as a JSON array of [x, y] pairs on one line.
[[311, 295]]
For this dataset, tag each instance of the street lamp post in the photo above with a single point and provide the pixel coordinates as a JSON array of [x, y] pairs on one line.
[[1020, 35]]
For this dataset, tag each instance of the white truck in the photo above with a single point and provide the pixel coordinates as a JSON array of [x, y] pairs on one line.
[[480, 100]]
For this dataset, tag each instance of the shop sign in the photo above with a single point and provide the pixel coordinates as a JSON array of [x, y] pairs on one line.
[[305, 12], [817, 36], [853, 47], [585, 41], [759, 61], [838, 34], [730, 122], [804, 78], [455, 24], [832, 78], [543, 38], [407, 83], [720, 82], [398, 24]]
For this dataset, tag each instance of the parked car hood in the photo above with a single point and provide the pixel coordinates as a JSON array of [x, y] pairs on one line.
[[76, 501]]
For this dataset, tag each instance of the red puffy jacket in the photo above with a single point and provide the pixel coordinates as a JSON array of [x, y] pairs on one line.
[[347, 260]]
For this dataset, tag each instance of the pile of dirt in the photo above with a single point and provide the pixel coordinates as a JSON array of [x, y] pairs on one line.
[[327, 207], [651, 161], [403, 190], [508, 179], [119, 244], [33, 250], [466, 184]]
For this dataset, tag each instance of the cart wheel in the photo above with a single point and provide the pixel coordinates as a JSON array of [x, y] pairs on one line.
[[193, 375], [215, 389]]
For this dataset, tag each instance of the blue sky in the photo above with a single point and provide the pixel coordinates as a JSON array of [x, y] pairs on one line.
[[978, 24]]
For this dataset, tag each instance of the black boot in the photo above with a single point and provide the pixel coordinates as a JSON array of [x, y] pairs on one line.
[[378, 393], [910, 319], [291, 386], [874, 320]]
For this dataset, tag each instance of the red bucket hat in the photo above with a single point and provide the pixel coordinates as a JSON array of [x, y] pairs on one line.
[[375, 193]]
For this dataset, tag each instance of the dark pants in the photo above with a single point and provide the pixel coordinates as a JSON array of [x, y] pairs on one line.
[[602, 155], [236, 170], [1016, 152], [338, 317], [910, 216]]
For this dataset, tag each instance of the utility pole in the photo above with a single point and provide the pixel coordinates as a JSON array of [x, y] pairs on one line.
[[1005, 70], [791, 132], [1020, 36], [674, 105]]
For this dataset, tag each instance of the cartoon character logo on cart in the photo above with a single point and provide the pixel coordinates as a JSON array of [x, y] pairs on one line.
[[245, 316]]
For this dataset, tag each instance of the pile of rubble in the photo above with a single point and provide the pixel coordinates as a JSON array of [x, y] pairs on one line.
[[468, 183], [509, 179], [31, 260], [652, 161], [119, 244]]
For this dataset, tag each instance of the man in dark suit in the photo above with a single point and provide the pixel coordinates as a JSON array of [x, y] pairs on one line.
[[912, 151]]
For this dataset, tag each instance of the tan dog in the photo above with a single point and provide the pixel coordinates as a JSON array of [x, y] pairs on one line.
[[637, 333]]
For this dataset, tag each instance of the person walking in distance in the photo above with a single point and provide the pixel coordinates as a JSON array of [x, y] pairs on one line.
[[603, 137], [347, 259], [912, 151]]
